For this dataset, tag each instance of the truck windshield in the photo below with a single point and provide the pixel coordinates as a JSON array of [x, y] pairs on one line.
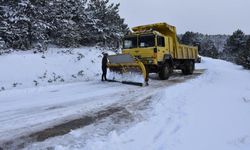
[[147, 41], [130, 42]]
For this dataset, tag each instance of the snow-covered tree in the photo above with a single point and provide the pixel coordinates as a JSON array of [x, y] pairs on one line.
[[107, 26], [243, 57], [3, 27], [71, 23], [207, 48], [234, 45], [237, 49], [205, 43], [16, 17], [189, 38], [64, 22]]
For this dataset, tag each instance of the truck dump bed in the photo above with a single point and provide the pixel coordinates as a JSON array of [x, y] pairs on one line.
[[186, 52], [181, 51]]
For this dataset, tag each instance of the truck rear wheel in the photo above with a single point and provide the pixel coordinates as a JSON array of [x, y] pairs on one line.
[[165, 72], [188, 67]]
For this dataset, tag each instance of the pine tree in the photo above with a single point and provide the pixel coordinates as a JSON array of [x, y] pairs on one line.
[[3, 27], [107, 26], [243, 57], [36, 23], [65, 20], [234, 45], [116, 25], [20, 25], [97, 11], [5, 34], [207, 48], [40, 13], [189, 38], [247, 55]]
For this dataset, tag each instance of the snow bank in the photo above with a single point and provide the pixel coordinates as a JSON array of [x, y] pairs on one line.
[[26, 69]]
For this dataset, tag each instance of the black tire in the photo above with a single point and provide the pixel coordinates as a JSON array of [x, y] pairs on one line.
[[198, 60], [188, 67], [165, 72]]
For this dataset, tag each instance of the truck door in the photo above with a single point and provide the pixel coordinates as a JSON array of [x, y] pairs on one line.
[[170, 46], [162, 49]]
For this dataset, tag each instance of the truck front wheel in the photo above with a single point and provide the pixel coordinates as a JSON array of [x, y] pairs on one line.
[[188, 67], [165, 72]]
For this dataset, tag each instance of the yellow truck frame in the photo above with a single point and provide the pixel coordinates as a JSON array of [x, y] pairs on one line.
[[157, 47]]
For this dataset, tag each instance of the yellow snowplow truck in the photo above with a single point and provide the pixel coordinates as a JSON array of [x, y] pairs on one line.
[[153, 48]]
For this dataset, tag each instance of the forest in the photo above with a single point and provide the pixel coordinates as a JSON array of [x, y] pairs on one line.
[[36, 24], [26, 24]]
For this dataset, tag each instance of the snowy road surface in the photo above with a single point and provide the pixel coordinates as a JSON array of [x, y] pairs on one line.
[[25, 111], [210, 111]]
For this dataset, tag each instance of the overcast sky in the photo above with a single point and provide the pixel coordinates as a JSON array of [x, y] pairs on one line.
[[205, 16]]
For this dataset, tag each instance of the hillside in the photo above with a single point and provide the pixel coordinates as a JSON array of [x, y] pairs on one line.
[[55, 66]]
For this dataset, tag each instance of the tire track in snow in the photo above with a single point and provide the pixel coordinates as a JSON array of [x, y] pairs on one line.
[[119, 111]]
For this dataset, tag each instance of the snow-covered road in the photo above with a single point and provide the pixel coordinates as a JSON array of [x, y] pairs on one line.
[[26, 111], [210, 111]]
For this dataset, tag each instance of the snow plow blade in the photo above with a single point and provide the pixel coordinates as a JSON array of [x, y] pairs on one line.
[[126, 69], [128, 82]]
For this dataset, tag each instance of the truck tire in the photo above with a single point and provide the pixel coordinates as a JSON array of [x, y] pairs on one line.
[[165, 72], [188, 67]]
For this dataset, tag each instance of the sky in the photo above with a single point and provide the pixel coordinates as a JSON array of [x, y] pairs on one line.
[[204, 16]]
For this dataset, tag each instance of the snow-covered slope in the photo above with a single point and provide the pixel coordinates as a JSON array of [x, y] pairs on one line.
[[26, 69], [210, 112]]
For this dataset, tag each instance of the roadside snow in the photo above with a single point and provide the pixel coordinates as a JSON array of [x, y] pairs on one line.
[[42, 89], [56, 66], [207, 113]]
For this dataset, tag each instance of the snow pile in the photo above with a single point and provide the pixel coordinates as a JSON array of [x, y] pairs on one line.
[[128, 76], [26, 69]]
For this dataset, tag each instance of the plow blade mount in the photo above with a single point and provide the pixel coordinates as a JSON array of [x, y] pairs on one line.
[[126, 69]]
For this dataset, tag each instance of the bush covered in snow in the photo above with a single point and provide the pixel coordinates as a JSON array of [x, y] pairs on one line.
[[37, 23]]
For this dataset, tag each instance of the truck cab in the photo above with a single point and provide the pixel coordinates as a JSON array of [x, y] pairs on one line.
[[149, 47], [141, 46]]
